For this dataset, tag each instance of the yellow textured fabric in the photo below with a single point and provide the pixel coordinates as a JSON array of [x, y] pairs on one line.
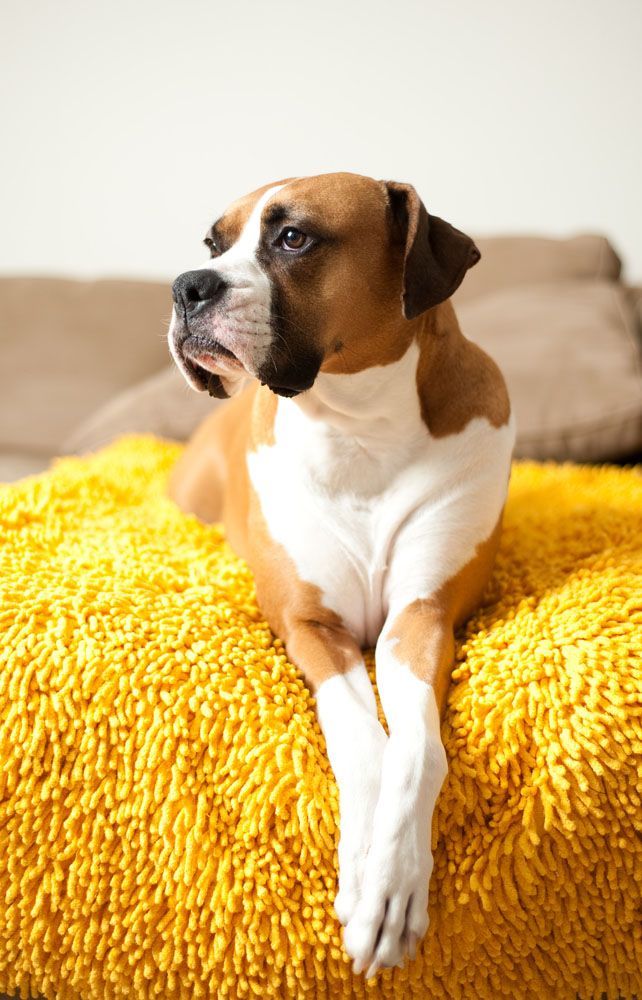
[[168, 818]]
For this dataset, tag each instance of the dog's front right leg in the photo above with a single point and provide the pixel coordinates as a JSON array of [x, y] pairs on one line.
[[333, 665]]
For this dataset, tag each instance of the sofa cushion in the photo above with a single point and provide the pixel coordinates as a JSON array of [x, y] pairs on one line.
[[508, 261], [569, 354], [69, 346], [163, 405]]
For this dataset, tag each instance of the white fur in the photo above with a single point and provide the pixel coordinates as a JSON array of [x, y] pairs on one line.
[[242, 324], [355, 740], [377, 513], [393, 891]]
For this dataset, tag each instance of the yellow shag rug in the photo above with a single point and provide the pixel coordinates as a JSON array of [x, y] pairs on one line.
[[168, 817]]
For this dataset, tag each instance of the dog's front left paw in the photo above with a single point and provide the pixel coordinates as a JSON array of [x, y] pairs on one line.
[[392, 913]]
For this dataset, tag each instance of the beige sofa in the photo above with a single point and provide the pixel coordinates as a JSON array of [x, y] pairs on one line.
[[83, 361]]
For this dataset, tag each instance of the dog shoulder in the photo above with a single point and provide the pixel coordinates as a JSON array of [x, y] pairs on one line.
[[456, 380]]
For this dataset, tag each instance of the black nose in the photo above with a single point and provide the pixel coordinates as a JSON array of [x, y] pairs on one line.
[[194, 287]]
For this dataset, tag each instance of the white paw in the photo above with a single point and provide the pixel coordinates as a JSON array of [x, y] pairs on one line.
[[392, 913], [358, 795]]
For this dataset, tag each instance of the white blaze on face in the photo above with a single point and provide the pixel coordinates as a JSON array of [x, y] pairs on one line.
[[239, 265], [242, 321]]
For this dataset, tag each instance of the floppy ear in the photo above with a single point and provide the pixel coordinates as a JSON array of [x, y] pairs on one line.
[[436, 255]]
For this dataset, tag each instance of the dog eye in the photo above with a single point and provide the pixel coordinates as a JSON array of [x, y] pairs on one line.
[[293, 239], [212, 246]]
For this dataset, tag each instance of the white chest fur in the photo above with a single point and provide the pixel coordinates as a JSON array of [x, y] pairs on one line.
[[367, 504]]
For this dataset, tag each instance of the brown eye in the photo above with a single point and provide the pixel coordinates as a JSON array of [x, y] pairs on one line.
[[292, 239], [212, 246]]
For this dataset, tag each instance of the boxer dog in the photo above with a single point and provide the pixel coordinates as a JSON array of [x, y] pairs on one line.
[[361, 469]]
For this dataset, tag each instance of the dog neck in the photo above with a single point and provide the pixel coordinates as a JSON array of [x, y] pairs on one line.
[[376, 404]]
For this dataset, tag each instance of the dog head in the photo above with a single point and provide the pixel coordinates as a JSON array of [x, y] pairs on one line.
[[317, 273]]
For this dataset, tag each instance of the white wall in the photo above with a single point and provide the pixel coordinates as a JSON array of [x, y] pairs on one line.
[[127, 126]]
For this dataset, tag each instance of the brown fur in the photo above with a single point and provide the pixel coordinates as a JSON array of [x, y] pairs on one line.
[[348, 290], [456, 380], [210, 478]]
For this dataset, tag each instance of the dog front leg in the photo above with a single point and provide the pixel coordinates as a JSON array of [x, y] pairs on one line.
[[332, 663], [414, 656]]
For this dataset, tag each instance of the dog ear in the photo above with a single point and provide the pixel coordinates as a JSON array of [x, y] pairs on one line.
[[436, 255]]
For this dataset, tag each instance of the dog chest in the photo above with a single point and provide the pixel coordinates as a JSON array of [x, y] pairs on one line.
[[362, 524], [336, 543]]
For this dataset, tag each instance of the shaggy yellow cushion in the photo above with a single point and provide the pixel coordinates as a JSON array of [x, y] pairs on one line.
[[168, 817]]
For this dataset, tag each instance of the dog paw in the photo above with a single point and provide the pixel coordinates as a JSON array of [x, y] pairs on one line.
[[392, 913]]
